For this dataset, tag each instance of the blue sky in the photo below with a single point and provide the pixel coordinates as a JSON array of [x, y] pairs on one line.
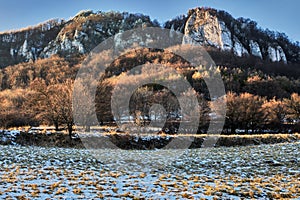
[[278, 15]]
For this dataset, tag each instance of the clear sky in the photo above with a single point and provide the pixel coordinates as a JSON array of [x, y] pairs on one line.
[[278, 15]]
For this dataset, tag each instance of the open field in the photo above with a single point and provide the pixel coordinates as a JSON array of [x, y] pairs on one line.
[[262, 171]]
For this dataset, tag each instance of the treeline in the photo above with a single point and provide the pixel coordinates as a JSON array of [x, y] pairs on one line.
[[41, 93], [39, 104], [52, 104], [228, 59], [254, 113]]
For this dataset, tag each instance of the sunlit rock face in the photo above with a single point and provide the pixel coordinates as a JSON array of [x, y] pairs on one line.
[[206, 29], [209, 27], [276, 54], [203, 28], [87, 29]]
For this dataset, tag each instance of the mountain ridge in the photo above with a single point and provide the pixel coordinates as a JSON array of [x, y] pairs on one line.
[[206, 26], [241, 36]]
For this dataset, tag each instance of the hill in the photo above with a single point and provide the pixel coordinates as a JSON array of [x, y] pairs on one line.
[[206, 26]]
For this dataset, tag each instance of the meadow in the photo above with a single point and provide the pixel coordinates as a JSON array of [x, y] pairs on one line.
[[264, 171]]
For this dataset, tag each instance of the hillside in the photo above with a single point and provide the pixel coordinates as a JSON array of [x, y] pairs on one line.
[[28, 43], [78, 35], [260, 70]]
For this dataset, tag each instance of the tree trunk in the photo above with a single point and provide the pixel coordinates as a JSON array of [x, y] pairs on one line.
[[70, 129], [56, 125], [233, 129]]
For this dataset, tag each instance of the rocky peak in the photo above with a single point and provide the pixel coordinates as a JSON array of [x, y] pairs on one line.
[[78, 35], [87, 29], [203, 28], [206, 26], [27, 44]]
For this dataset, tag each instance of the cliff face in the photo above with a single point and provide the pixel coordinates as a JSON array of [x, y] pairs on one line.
[[206, 28], [27, 44], [76, 36], [241, 36], [87, 29]]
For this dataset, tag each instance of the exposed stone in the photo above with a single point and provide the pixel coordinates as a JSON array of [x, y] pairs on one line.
[[255, 49], [87, 29], [276, 54], [238, 48], [204, 29], [207, 27]]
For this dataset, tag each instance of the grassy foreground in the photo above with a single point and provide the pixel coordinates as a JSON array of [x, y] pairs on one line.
[[259, 172]]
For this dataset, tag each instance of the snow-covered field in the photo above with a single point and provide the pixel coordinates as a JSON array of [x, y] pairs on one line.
[[264, 171]]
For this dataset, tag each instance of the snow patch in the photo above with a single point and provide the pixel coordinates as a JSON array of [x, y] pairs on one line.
[[13, 52]]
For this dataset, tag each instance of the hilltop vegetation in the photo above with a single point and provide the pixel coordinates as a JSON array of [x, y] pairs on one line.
[[35, 93]]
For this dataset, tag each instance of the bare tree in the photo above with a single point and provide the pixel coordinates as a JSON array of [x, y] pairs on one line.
[[40, 104], [61, 100], [11, 108], [293, 105], [53, 103], [244, 111], [275, 113], [232, 112]]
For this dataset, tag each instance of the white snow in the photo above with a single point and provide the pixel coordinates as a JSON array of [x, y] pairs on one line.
[[79, 46], [8, 37], [46, 171], [12, 52], [23, 48], [67, 44]]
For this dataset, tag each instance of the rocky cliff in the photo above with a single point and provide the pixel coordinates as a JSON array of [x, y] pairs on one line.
[[87, 29], [27, 44], [206, 26], [83, 32], [79, 35]]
